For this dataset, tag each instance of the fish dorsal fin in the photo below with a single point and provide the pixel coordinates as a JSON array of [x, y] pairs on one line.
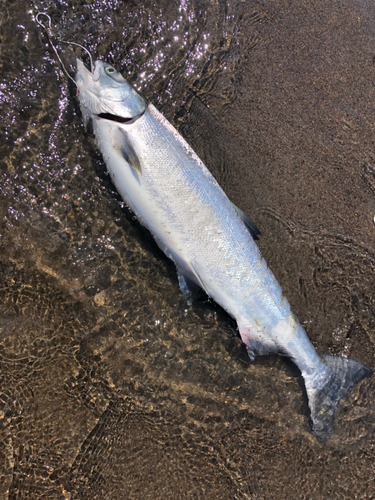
[[250, 226]]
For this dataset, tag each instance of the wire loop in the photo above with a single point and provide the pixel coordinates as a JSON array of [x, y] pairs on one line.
[[51, 36]]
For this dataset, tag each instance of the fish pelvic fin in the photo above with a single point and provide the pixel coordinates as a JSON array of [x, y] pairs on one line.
[[341, 376]]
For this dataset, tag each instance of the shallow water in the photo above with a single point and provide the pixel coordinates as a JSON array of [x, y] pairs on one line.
[[111, 387]]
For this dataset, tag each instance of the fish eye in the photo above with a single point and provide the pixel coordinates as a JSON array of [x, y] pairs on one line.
[[110, 71]]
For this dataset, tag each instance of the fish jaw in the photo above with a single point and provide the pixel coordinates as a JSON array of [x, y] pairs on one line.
[[101, 93]]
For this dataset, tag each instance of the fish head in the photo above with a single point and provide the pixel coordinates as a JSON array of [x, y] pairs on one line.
[[104, 91]]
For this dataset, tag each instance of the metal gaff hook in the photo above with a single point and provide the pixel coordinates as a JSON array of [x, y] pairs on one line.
[[50, 36]]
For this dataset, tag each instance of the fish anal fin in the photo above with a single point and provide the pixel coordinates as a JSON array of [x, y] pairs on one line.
[[256, 342]]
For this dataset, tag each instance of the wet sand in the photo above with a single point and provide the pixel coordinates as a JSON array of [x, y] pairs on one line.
[[111, 386]]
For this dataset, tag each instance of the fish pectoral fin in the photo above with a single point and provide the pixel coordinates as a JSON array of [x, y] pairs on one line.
[[128, 153], [250, 226]]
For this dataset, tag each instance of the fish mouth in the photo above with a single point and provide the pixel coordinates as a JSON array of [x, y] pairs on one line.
[[114, 118], [118, 119]]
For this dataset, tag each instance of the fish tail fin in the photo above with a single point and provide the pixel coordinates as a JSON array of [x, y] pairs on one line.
[[340, 376]]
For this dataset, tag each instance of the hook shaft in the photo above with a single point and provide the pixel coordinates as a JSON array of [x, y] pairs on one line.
[[50, 36]]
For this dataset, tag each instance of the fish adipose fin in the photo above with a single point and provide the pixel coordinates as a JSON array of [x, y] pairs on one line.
[[343, 373], [250, 226]]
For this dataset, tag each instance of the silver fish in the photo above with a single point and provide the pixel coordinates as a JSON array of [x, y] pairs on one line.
[[174, 195]]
